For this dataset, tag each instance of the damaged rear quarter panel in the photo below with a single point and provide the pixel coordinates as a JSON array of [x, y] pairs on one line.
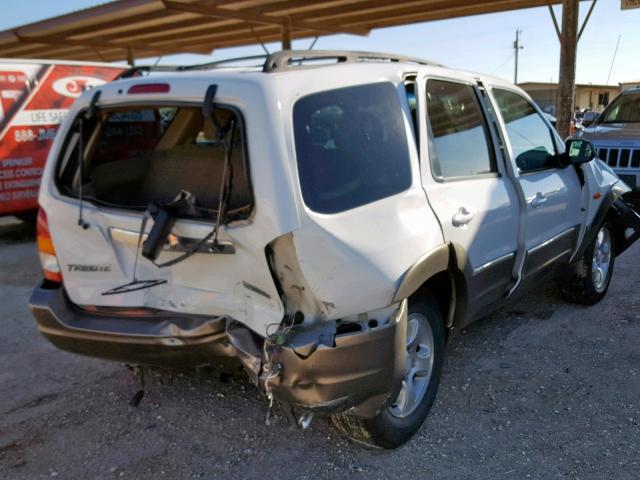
[[354, 261]]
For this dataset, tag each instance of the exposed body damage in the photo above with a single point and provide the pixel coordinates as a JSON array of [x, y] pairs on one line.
[[324, 227], [303, 367]]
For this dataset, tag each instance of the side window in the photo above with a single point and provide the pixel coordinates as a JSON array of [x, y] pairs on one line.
[[351, 147], [530, 137], [459, 138]]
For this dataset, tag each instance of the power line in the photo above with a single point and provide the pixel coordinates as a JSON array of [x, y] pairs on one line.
[[613, 59], [507, 60]]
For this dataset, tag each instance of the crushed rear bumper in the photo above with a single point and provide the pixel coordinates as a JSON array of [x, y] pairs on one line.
[[359, 371]]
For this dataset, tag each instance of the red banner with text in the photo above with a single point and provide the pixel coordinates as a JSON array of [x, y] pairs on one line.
[[34, 99]]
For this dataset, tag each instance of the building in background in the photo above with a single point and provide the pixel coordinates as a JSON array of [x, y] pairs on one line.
[[630, 84], [592, 96]]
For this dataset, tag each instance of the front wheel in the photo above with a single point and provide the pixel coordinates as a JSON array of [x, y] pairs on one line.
[[425, 351], [592, 281]]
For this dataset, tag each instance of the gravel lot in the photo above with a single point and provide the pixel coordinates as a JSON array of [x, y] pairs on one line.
[[541, 389]]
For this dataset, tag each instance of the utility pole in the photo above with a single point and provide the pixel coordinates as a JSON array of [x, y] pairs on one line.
[[517, 47]]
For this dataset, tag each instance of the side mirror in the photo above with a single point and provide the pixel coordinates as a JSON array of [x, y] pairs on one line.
[[589, 118], [579, 151]]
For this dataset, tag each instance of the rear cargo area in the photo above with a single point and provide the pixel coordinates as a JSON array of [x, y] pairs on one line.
[[136, 156]]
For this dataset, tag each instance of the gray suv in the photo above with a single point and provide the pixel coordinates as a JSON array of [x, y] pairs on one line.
[[616, 135]]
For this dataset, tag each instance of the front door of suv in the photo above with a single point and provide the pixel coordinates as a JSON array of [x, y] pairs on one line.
[[552, 191], [468, 188]]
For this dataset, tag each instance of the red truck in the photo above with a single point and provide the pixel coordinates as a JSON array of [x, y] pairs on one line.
[[34, 96]]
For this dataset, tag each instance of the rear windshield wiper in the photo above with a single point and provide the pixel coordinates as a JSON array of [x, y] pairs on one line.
[[225, 137], [88, 115], [163, 223]]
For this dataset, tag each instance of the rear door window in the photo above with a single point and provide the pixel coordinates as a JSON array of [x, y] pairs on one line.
[[351, 147]]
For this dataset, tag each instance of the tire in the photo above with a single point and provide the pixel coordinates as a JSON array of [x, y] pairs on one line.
[[28, 217], [399, 422], [595, 269]]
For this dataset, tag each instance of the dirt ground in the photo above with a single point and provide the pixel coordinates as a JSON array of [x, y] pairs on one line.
[[541, 389]]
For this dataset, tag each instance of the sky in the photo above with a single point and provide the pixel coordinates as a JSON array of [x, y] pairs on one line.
[[481, 43]]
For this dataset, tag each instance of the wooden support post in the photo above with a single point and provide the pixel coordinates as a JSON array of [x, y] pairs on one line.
[[567, 80], [130, 58], [286, 37]]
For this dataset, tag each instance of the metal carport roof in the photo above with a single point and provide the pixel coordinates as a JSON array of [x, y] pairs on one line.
[[128, 29]]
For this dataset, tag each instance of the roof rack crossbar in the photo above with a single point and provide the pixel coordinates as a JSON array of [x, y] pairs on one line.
[[142, 69], [279, 61], [226, 61]]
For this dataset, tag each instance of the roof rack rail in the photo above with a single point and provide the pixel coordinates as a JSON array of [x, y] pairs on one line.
[[142, 69], [279, 61], [226, 61], [283, 60]]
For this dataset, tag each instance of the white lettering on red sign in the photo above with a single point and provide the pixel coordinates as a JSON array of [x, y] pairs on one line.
[[75, 86]]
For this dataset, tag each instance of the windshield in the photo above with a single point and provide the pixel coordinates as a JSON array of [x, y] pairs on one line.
[[624, 109]]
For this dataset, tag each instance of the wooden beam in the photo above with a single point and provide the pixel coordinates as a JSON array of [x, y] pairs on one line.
[[567, 78], [129, 22], [290, 7], [586, 20], [405, 16], [286, 38], [555, 20], [140, 47], [267, 34], [247, 16], [194, 29], [172, 30]]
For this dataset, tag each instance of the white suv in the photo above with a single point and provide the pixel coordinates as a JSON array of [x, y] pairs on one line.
[[325, 219]]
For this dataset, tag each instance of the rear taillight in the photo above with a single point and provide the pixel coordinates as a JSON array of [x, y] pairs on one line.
[[48, 257]]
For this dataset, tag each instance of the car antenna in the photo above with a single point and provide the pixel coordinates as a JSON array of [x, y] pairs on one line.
[[89, 114]]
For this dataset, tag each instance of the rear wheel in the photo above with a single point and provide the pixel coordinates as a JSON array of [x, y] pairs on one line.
[[425, 350], [27, 217], [591, 283]]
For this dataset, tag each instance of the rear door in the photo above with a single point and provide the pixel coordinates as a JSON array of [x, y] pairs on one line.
[[468, 188], [553, 193]]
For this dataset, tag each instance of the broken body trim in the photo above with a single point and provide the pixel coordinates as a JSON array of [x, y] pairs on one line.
[[432, 262]]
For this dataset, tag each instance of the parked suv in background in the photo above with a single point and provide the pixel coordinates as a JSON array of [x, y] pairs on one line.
[[616, 136], [325, 219]]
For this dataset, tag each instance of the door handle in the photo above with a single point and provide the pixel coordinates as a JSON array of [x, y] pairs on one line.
[[461, 218], [538, 200]]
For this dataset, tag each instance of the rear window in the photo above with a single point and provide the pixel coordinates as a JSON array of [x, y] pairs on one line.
[[351, 147], [135, 156]]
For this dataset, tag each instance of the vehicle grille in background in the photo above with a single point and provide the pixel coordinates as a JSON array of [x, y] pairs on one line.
[[620, 157]]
